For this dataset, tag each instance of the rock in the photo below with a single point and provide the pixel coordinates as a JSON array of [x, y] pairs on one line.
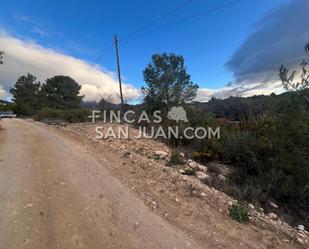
[[160, 154], [201, 167], [230, 203], [221, 169], [182, 154], [300, 241], [251, 206], [221, 178], [273, 216], [185, 178], [181, 171], [301, 227], [29, 205], [192, 164], [201, 175], [300, 234], [208, 180], [273, 205], [203, 194]]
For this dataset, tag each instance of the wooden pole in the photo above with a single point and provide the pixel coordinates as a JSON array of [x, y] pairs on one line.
[[119, 74]]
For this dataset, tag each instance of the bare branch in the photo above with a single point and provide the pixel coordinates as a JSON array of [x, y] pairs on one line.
[[288, 79]]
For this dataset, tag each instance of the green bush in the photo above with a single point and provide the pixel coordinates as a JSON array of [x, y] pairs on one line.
[[175, 159], [67, 115], [271, 159], [189, 172], [76, 115], [239, 213]]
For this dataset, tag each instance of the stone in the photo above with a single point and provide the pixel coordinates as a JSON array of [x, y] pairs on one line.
[[160, 154], [301, 227], [300, 241], [221, 178], [273, 205], [230, 203], [192, 164], [181, 171], [300, 234], [185, 178], [273, 216], [201, 175], [201, 167], [251, 206], [29, 205], [182, 154]]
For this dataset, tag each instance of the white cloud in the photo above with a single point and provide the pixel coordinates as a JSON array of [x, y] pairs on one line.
[[278, 38], [2, 92], [240, 90], [23, 56]]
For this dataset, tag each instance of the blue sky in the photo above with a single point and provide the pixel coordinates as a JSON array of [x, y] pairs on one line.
[[84, 29]]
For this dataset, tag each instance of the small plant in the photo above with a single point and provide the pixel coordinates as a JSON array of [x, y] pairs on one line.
[[175, 159], [239, 213], [189, 172]]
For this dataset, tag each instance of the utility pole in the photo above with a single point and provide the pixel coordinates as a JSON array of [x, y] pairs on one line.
[[119, 75]]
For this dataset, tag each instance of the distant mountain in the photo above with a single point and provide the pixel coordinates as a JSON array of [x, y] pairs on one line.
[[89, 105], [240, 108], [234, 108]]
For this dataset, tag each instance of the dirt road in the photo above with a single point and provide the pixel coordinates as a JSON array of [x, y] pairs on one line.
[[54, 195]]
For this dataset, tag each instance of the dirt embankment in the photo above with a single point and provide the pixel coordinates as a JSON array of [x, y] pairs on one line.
[[193, 207]]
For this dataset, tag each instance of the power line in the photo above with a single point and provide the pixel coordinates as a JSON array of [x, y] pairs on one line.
[[168, 24], [156, 20], [194, 16], [103, 54], [140, 29]]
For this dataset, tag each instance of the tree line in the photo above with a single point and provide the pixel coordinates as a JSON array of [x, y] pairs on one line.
[[59, 92]]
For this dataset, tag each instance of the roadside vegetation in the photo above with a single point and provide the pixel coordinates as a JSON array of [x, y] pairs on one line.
[[239, 213], [264, 139]]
